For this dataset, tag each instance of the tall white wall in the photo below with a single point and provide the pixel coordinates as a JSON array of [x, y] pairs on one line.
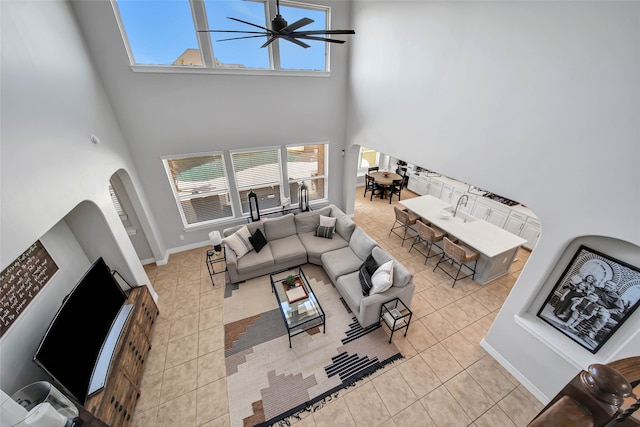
[[171, 113], [536, 101], [51, 102]]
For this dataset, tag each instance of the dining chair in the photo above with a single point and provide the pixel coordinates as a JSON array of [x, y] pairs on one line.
[[461, 255], [373, 169], [404, 220], [395, 188], [430, 235], [378, 190], [402, 171], [369, 184]]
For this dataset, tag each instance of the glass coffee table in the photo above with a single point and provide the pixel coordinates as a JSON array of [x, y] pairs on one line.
[[299, 307]]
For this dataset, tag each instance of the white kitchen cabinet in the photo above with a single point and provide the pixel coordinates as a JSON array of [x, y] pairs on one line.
[[530, 232], [490, 211], [446, 193], [515, 223], [435, 188], [412, 185], [524, 226], [423, 186]]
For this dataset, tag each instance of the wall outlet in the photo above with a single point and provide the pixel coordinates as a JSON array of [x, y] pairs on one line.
[[182, 237]]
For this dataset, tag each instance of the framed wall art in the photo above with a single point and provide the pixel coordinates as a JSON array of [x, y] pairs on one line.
[[594, 296]]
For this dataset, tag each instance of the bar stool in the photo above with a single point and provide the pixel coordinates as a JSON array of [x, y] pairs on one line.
[[459, 254], [429, 235], [404, 220]]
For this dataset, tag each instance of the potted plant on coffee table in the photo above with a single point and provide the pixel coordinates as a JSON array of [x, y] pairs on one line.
[[290, 281]]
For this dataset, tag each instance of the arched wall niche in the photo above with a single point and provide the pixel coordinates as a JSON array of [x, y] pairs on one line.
[[617, 346]]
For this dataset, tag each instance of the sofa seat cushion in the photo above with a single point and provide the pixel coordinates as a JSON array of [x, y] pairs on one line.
[[340, 262], [349, 287], [316, 246], [256, 261], [287, 249]]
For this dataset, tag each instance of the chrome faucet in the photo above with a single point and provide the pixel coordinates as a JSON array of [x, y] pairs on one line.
[[466, 199]]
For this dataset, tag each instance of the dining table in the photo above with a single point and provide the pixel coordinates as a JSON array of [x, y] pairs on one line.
[[384, 180]]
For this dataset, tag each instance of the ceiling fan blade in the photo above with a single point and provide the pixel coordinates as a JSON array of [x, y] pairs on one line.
[[320, 32], [268, 42], [298, 24], [245, 37], [231, 31], [249, 23], [320, 39], [294, 40]]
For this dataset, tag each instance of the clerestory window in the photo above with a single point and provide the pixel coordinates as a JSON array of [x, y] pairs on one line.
[[161, 35]]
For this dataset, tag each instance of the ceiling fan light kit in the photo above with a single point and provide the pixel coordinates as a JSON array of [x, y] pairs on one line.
[[281, 29]]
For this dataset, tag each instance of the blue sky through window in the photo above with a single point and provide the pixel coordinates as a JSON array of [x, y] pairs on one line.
[[160, 31]]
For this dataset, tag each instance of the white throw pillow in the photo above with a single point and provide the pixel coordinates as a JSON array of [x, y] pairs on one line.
[[239, 241], [328, 221], [382, 279]]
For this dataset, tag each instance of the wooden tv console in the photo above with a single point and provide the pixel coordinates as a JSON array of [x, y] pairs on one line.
[[115, 403]]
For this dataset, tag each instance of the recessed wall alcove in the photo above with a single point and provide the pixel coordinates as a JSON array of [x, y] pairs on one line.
[[74, 243], [571, 351]]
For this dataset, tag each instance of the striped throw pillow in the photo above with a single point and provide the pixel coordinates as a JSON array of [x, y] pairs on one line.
[[239, 241], [326, 232]]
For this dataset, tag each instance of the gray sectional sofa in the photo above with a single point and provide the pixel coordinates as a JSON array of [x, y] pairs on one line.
[[292, 241]]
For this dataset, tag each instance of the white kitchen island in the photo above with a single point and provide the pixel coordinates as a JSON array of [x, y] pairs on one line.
[[497, 247]]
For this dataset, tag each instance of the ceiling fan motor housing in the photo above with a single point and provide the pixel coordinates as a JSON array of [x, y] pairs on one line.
[[278, 23]]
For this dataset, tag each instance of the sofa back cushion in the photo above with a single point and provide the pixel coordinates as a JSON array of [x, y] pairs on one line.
[[278, 228], [401, 274], [252, 226], [361, 244], [336, 211], [345, 227], [307, 222]]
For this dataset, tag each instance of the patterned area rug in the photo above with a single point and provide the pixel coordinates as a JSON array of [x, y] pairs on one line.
[[269, 382]]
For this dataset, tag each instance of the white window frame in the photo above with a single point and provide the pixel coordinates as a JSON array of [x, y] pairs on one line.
[[206, 48], [311, 180]]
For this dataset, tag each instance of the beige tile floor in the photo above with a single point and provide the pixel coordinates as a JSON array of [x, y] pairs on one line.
[[445, 379]]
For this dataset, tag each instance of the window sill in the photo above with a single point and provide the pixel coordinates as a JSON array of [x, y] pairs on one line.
[[168, 69]]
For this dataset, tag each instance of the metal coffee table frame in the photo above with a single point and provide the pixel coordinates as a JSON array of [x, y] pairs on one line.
[[303, 314]]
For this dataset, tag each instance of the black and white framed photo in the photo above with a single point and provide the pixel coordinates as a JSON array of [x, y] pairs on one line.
[[594, 296]]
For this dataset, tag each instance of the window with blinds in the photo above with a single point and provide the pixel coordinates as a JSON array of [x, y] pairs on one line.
[[200, 187], [307, 163], [260, 171]]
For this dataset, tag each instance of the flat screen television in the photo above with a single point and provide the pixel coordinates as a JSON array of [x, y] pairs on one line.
[[76, 337]]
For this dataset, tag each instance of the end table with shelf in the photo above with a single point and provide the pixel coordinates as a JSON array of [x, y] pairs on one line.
[[216, 259], [396, 315]]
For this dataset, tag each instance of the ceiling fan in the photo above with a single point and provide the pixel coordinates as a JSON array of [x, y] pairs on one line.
[[281, 29]]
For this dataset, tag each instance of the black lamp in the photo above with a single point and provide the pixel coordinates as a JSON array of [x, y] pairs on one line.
[[253, 203], [303, 197]]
